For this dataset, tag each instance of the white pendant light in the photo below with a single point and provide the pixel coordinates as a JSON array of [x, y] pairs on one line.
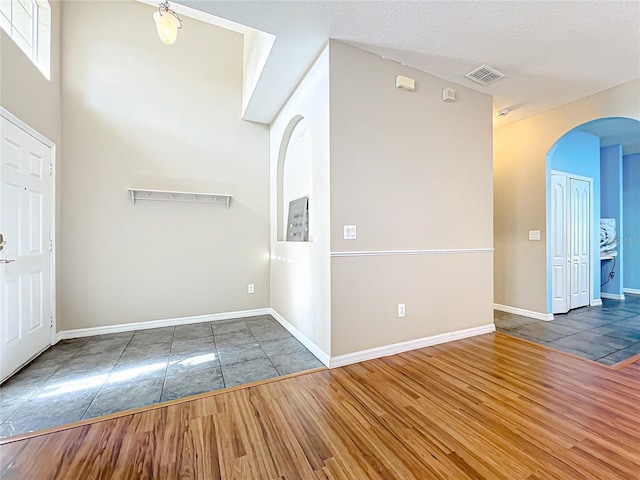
[[167, 23]]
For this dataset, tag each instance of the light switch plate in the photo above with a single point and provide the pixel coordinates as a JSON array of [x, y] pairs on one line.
[[350, 232], [534, 234]]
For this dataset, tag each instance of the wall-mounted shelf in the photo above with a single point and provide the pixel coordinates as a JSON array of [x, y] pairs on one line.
[[174, 196]]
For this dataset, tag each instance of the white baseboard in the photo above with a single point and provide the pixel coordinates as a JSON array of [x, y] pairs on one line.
[[525, 313], [312, 347], [395, 348], [633, 291], [169, 322], [596, 302], [612, 296]]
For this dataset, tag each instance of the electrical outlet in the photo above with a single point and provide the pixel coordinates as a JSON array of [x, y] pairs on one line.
[[401, 310], [534, 234], [251, 288]]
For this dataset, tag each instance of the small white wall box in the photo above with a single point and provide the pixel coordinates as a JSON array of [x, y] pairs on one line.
[[405, 83], [449, 95]]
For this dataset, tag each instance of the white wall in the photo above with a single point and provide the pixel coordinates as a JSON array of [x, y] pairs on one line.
[[412, 173], [140, 113], [256, 48], [300, 275]]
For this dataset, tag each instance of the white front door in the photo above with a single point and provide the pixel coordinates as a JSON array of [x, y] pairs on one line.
[[25, 260], [559, 257], [580, 204]]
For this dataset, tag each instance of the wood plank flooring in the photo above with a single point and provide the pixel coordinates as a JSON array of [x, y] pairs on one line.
[[489, 407]]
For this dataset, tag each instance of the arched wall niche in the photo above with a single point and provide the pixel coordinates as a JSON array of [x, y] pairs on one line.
[[295, 172]]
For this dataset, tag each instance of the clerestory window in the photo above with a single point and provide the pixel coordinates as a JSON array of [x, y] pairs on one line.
[[28, 23]]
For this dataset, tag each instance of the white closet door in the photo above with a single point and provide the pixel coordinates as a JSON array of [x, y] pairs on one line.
[[25, 270], [580, 203], [560, 261]]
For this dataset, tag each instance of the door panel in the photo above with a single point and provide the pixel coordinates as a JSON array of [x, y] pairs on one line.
[[559, 262], [25, 284], [580, 242]]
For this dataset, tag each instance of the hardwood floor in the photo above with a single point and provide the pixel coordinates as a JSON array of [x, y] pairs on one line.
[[489, 407]]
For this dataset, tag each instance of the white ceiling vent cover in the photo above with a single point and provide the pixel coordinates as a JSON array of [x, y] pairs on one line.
[[485, 75]]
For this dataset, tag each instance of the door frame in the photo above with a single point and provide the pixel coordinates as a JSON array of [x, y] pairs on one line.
[[4, 113], [592, 247]]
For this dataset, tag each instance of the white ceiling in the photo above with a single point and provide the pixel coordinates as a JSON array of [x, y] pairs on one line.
[[552, 52]]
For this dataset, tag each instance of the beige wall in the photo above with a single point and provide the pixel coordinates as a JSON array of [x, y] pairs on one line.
[[300, 271], [519, 190], [140, 113], [412, 173], [27, 94]]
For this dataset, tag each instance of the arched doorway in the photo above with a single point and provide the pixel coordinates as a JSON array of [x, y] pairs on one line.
[[593, 173]]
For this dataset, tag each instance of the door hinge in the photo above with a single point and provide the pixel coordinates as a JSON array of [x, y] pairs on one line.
[[51, 321], [50, 245], [51, 169]]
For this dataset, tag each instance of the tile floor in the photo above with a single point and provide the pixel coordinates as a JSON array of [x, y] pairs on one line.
[[89, 377], [608, 334]]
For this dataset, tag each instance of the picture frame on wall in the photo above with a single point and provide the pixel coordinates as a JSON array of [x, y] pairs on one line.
[[298, 220]]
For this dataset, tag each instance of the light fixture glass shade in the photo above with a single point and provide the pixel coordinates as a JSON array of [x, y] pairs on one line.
[[167, 26]]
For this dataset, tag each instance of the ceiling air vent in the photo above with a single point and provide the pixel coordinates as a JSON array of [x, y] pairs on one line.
[[485, 75]]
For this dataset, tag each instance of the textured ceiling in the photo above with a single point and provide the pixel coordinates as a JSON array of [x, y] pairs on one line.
[[552, 52]]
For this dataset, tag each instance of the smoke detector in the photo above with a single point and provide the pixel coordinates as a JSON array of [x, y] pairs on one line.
[[485, 75]]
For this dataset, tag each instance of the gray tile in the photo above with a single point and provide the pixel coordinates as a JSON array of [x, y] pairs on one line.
[[72, 384], [578, 322], [607, 361], [577, 353], [516, 333], [206, 380], [631, 322], [622, 354], [247, 372], [190, 363], [617, 333], [147, 353], [593, 337], [295, 362], [143, 369], [236, 338], [229, 326], [261, 322], [121, 337], [196, 330], [282, 345], [120, 397], [584, 346], [56, 354], [545, 331], [8, 408], [240, 353], [114, 346], [23, 384], [273, 332], [508, 322], [40, 367], [196, 346], [44, 412], [90, 360], [153, 335]]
